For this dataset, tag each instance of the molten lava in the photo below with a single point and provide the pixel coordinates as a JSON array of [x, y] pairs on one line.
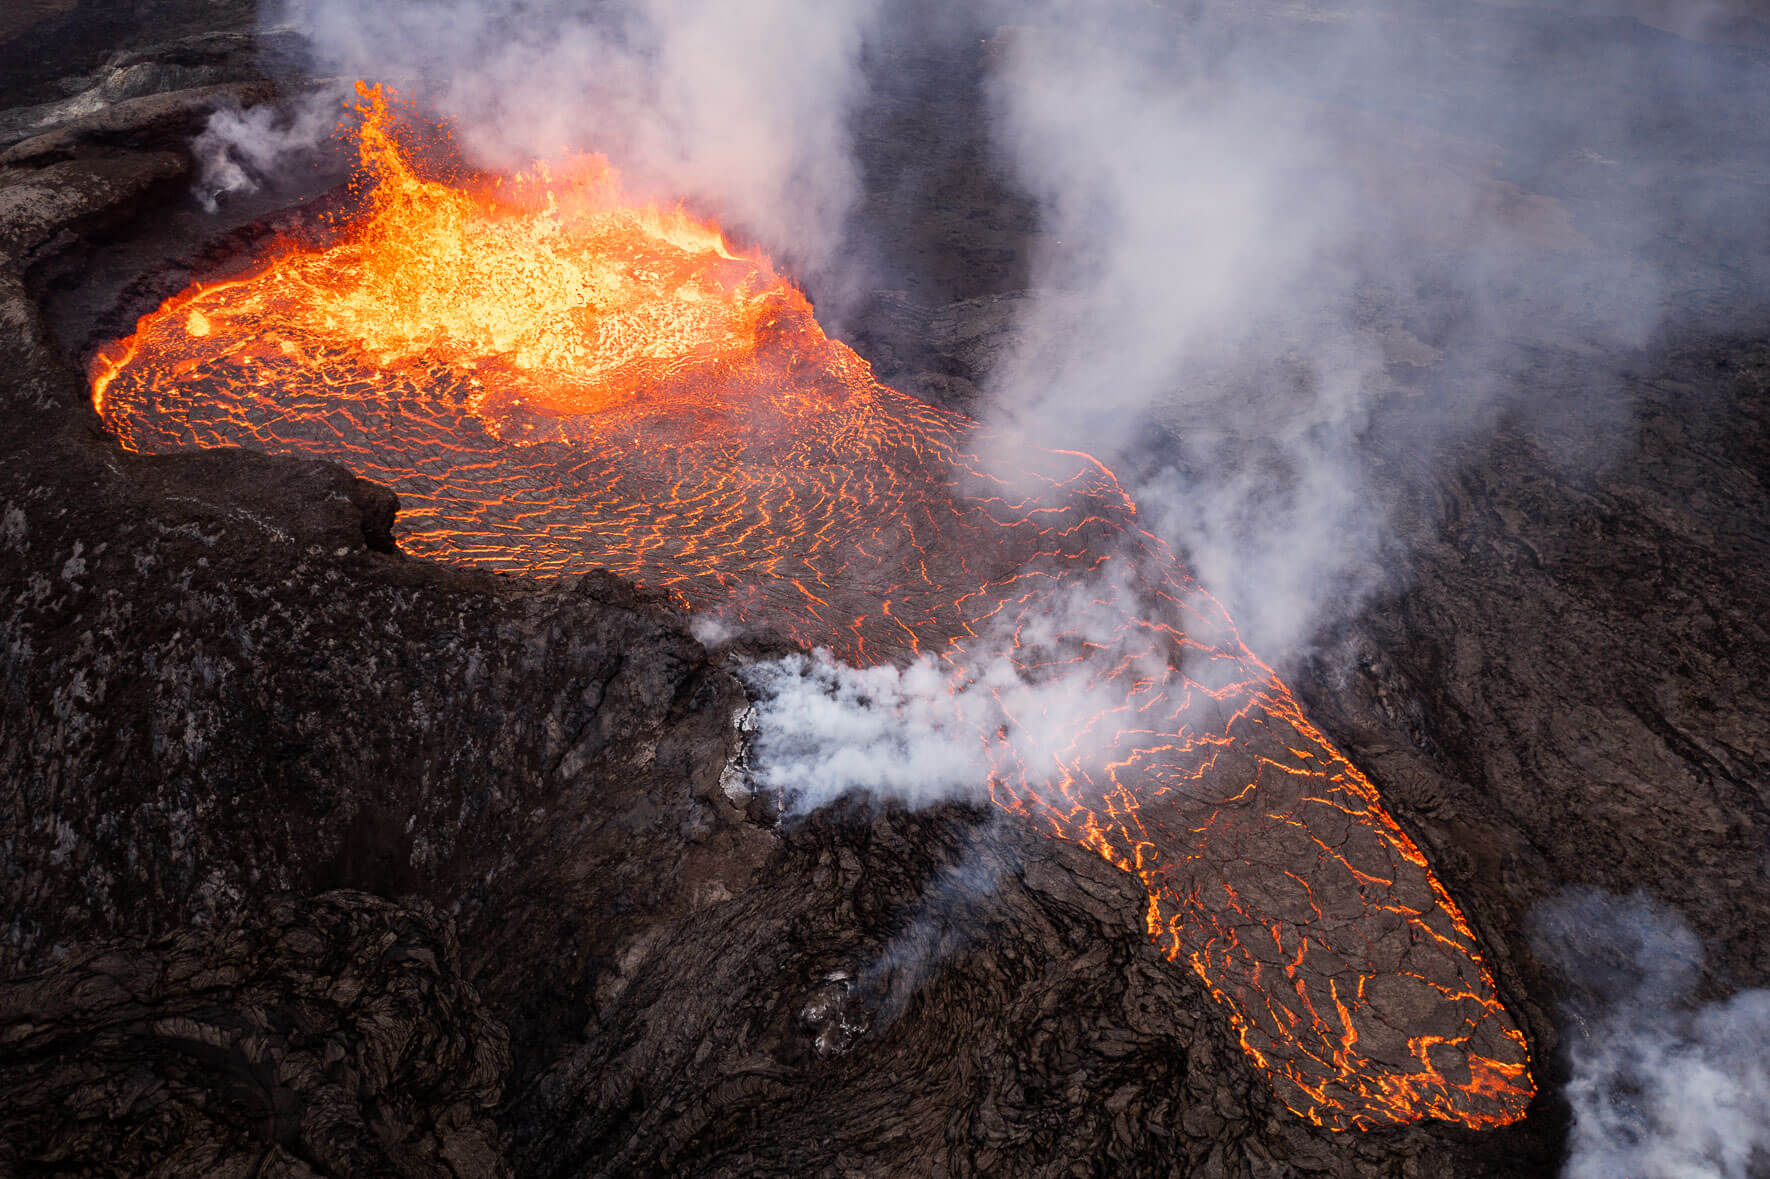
[[555, 381]]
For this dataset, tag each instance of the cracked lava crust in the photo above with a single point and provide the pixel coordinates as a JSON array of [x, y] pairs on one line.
[[556, 381]]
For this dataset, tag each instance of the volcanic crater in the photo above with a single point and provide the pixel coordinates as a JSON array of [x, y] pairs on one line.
[[555, 382], [476, 758]]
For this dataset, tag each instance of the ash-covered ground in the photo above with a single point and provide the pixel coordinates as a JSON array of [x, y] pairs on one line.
[[321, 860]]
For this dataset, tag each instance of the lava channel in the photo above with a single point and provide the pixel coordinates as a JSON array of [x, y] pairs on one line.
[[555, 381]]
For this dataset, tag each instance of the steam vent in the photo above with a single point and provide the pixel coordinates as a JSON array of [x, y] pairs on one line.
[[654, 594]]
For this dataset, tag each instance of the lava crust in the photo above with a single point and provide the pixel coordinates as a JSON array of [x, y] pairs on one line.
[[555, 382]]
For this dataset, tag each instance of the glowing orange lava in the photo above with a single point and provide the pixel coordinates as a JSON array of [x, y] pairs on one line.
[[555, 381]]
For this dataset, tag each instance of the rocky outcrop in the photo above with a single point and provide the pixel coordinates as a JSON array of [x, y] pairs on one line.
[[69, 62]]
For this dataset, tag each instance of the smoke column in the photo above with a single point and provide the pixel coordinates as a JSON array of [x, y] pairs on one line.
[[928, 733], [240, 151]]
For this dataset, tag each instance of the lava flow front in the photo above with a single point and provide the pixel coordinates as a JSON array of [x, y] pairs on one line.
[[556, 382]]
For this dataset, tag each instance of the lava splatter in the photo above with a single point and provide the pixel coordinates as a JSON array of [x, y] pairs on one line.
[[555, 381]]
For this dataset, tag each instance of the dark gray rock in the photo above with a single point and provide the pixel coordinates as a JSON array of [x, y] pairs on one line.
[[45, 210], [219, 685], [65, 58], [323, 1036], [169, 118]]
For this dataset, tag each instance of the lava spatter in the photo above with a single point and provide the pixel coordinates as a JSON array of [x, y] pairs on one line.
[[555, 381]]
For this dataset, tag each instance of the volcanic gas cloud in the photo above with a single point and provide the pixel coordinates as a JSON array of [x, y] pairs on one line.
[[555, 381]]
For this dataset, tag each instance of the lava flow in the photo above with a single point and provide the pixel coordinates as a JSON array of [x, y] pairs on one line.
[[554, 381]]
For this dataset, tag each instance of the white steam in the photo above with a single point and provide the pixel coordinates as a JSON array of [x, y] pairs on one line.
[[1033, 695], [927, 733], [741, 106], [1662, 1088], [826, 729], [1285, 237], [1198, 241], [242, 151]]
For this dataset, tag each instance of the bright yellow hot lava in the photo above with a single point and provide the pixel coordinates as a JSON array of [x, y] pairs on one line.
[[555, 381], [550, 275]]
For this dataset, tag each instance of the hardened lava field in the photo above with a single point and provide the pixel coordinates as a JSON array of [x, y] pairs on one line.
[[556, 381]]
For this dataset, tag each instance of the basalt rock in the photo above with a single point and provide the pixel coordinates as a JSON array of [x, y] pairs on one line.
[[575, 943], [330, 1035]]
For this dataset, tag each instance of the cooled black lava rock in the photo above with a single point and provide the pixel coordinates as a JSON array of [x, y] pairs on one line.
[[323, 1036], [574, 946]]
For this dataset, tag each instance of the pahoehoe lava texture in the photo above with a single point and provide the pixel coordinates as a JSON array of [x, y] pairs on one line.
[[776, 481], [216, 685]]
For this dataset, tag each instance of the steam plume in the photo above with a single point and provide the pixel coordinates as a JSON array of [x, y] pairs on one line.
[[742, 106], [928, 734], [1285, 240], [241, 151], [826, 729], [1661, 1088]]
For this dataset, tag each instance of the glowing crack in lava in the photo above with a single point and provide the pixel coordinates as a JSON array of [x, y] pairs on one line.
[[554, 381]]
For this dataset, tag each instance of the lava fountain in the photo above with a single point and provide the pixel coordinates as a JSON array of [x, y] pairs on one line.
[[555, 381]]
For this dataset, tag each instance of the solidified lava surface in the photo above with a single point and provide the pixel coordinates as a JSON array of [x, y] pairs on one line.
[[556, 381]]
